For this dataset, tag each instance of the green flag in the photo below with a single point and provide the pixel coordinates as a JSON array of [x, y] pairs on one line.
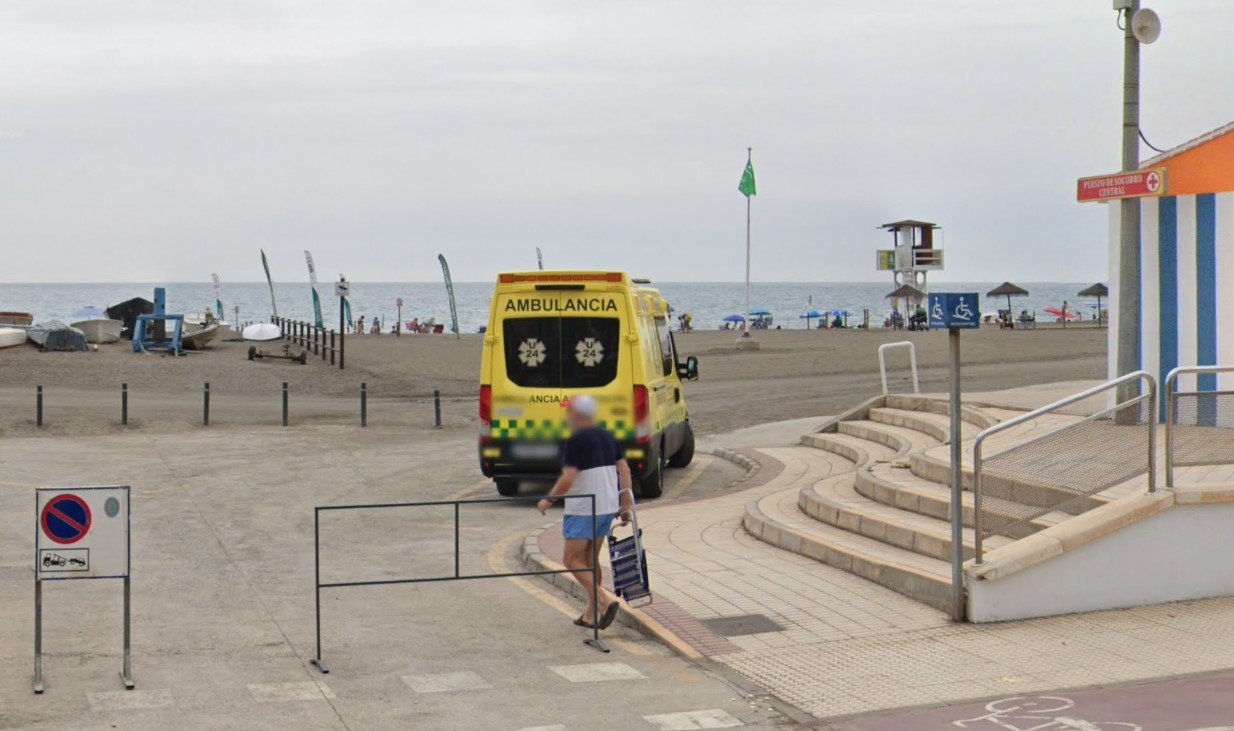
[[746, 186]]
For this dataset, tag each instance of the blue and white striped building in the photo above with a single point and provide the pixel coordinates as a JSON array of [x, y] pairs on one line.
[[1187, 263]]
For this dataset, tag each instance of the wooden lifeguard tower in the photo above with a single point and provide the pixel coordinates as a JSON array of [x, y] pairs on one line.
[[912, 256]]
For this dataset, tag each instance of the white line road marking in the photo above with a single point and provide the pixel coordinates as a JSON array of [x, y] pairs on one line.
[[446, 682], [303, 691], [123, 700], [470, 490], [688, 720], [593, 672]]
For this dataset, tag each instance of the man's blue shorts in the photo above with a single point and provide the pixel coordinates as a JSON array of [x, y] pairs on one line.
[[579, 528]]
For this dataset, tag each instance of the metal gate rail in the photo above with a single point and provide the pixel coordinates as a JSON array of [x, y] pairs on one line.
[[1219, 451], [912, 360], [316, 660]]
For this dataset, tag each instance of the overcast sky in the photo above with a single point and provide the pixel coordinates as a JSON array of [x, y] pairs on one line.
[[165, 140]]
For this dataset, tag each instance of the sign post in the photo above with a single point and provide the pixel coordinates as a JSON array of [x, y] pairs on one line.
[[342, 288], [956, 312], [81, 533]]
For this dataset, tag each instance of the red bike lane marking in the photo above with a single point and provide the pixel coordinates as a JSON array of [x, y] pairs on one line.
[[1192, 704]]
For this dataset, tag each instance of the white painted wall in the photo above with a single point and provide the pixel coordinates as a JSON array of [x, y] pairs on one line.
[[1180, 553]]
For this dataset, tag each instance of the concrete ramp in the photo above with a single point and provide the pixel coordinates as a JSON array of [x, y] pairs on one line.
[[1171, 545]]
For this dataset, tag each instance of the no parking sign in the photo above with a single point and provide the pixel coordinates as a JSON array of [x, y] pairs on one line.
[[83, 533], [80, 533]]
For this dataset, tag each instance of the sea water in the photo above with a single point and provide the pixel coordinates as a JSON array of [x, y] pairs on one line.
[[708, 302]]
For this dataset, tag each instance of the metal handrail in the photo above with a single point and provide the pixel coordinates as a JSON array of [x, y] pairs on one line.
[[912, 359], [1171, 398], [1089, 393]]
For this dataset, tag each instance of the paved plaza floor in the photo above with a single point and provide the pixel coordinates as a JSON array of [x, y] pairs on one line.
[[752, 636], [223, 624]]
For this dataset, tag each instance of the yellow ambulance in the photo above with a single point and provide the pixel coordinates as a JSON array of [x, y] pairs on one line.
[[555, 335]]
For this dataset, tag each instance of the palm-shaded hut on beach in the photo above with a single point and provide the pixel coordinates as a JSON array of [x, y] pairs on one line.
[[1008, 290], [1098, 290], [907, 292]]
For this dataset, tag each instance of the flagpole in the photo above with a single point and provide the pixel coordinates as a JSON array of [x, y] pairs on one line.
[[749, 159]]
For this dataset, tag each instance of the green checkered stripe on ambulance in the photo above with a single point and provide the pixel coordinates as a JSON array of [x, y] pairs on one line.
[[549, 430]]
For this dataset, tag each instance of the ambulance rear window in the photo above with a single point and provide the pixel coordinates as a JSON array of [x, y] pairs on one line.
[[561, 352]]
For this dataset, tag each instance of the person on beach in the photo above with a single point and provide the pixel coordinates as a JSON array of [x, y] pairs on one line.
[[592, 463], [360, 325]]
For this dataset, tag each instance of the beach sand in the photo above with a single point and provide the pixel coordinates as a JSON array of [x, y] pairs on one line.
[[795, 374]]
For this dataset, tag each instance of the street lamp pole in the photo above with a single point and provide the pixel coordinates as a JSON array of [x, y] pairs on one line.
[[1128, 344]]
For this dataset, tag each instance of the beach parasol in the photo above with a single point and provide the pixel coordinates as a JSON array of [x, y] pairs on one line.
[[1008, 290], [1058, 314], [1098, 290], [760, 311], [811, 315], [734, 318], [906, 291]]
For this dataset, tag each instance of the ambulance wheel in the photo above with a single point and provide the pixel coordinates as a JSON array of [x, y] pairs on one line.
[[651, 485], [506, 487], [685, 455]]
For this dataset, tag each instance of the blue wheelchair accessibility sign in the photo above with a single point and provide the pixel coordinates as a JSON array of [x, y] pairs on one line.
[[954, 309]]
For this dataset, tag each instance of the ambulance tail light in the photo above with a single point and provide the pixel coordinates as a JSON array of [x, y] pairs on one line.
[[486, 407], [642, 412]]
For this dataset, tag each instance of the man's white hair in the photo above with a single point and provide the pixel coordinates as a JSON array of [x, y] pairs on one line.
[[584, 406]]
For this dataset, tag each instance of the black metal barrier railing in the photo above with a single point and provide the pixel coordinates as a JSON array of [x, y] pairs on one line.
[[594, 568], [315, 340]]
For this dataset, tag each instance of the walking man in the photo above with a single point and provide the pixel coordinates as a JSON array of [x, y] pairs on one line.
[[592, 464]]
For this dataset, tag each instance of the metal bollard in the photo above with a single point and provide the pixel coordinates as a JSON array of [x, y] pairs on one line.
[[124, 404], [39, 408], [363, 404], [205, 406], [437, 408], [284, 403]]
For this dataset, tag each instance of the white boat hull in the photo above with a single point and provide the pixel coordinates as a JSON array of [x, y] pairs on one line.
[[262, 331], [100, 331], [11, 337], [198, 338]]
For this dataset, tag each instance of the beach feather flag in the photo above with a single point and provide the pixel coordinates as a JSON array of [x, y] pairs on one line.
[[445, 272], [274, 307], [218, 303], [313, 288], [747, 185]]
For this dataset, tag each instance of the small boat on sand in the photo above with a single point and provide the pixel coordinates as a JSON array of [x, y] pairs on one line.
[[96, 325], [12, 336], [55, 335], [16, 319], [262, 331], [197, 336]]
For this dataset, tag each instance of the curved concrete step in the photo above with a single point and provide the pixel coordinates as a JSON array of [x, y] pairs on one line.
[[978, 417], [837, 502], [775, 519], [935, 467], [936, 426], [856, 450], [899, 487], [901, 440]]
